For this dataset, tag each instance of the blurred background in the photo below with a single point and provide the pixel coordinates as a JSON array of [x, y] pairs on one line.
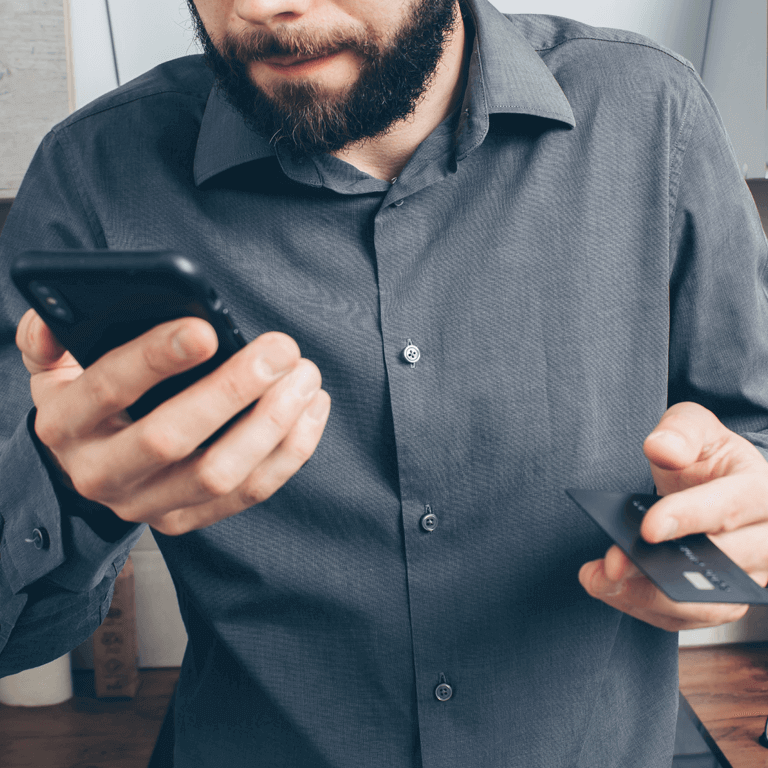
[[56, 56]]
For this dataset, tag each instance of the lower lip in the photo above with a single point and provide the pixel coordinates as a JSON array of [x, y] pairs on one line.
[[300, 67]]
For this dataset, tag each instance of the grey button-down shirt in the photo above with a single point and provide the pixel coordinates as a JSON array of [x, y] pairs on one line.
[[571, 252]]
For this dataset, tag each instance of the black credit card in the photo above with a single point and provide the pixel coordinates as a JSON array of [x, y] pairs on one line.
[[690, 569]]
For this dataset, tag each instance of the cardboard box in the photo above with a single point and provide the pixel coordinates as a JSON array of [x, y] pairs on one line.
[[116, 642]]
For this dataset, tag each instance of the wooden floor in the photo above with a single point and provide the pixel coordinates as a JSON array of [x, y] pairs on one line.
[[727, 687], [118, 733]]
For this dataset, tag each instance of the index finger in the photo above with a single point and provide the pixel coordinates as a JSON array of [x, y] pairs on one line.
[[721, 505], [122, 375]]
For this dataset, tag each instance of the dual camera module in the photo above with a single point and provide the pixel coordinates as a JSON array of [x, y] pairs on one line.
[[52, 301]]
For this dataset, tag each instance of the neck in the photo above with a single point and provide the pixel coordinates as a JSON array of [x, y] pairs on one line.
[[384, 157]]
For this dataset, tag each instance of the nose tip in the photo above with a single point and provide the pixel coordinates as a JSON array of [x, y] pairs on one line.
[[267, 12]]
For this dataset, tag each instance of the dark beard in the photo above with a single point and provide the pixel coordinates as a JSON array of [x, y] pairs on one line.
[[306, 118]]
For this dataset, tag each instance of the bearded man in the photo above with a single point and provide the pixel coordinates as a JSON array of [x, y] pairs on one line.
[[520, 254]]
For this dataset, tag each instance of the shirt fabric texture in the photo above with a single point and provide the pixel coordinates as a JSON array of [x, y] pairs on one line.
[[573, 251]]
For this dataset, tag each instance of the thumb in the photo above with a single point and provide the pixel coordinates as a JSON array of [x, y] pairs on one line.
[[690, 445], [685, 434], [667, 448], [39, 348]]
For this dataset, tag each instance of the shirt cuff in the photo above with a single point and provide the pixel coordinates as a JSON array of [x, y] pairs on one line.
[[27, 504], [100, 519], [43, 533]]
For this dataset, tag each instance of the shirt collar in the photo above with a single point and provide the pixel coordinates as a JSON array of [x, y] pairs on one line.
[[506, 75]]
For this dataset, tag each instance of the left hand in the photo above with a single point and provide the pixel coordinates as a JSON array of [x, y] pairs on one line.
[[714, 482]]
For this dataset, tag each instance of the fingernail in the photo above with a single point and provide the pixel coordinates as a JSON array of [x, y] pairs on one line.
[[317, 409], [606, 587], [306, 383], [264, 369], [669, 529], [674, 440], [184, 344], [268, 367]]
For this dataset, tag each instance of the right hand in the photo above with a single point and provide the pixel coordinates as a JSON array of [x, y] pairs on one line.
[[152, 470]]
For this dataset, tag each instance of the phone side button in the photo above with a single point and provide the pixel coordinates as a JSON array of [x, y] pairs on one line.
[[228, 320]]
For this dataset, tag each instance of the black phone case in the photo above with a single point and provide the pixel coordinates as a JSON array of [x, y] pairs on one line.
[[94, 301]]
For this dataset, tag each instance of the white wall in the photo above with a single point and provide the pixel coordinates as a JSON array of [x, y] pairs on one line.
[[678, 24], [735, 74], [146, 33]]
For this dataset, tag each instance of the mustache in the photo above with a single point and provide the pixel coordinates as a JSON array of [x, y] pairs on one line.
[[257, 44]]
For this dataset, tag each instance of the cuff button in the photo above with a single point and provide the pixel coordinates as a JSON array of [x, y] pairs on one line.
[[40, 539]]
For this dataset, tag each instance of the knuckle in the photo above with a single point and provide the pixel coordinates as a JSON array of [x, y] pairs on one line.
[[279, 418], [300, 448], [214, 480], [236, 391], [103, 389], [731, 520], [88, 482], [253, 492], [170, 525], [161, 446], [49, 428]]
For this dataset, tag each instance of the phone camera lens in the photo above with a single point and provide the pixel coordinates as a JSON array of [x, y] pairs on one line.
[[59, 312], [43, 291], [52, 301]]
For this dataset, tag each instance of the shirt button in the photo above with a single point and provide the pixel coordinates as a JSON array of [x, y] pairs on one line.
[[411, 353], [40, 538], [429, 522], [443, 692], [399, 203]]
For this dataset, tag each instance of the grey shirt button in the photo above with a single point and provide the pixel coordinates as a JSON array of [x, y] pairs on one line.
[[40, 539], [429, 522], [399, 203], [443, 692]]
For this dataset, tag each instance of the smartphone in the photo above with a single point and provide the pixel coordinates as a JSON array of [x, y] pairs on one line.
[[94, 301]]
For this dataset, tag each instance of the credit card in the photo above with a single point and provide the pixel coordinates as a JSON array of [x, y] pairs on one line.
[[691, 569]]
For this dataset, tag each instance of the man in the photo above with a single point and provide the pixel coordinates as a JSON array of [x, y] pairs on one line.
[[507, 244]]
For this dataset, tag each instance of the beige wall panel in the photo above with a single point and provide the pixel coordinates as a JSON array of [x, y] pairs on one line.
[[33, 82]]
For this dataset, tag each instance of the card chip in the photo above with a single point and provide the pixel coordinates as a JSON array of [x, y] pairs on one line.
[[698, 580]]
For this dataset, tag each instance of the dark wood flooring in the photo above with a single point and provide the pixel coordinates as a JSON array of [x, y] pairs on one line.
[[86, 732]]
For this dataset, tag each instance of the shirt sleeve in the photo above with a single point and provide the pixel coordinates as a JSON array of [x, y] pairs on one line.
[[718, 261], [59, 553]]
